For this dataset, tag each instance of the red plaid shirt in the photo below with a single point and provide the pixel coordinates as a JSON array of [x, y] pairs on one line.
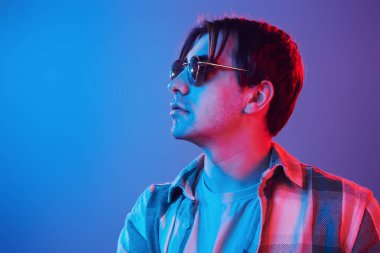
[[304, 209]]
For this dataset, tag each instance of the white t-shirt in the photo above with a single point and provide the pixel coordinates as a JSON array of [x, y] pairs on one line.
[[225, 222]]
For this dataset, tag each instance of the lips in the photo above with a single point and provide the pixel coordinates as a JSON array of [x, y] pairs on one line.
[[176, 106]]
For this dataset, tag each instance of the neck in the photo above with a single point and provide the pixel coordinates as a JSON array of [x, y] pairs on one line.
[[236, 163]]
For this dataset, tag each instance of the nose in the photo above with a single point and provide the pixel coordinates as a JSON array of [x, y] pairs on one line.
[[179, 84]]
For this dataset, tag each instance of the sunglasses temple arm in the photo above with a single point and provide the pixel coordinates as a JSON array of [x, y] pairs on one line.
[[221, 66]]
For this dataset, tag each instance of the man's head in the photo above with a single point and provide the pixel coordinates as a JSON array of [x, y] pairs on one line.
[[223, 99]]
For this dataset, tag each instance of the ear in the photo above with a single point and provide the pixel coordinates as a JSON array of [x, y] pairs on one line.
[[259, 97]]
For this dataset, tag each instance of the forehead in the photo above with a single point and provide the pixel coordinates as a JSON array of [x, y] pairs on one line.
[[201, 48]]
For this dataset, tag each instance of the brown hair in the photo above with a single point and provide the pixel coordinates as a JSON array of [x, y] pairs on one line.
[[266, 52]]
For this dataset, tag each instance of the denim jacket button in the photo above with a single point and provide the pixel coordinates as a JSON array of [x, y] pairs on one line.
[[185, 225]]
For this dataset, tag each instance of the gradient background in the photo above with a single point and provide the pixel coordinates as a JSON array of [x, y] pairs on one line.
[[84, 108]]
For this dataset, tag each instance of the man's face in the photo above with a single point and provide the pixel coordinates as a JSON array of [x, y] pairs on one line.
[[214, 108]]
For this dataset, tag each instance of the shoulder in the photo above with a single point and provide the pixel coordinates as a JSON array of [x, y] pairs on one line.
[[136, 233], [347, 203], [152, 196], [322, 180], [152, 199], [352, 199]]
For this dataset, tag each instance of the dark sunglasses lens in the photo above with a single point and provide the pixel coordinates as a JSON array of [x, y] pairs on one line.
[[176, 69], [193, 67]]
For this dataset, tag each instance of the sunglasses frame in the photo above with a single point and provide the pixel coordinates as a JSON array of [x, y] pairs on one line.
[[201, 63]]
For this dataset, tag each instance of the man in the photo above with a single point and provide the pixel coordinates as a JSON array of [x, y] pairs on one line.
[[235, 86]]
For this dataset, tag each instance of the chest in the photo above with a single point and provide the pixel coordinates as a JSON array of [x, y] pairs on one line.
[[286, 221]]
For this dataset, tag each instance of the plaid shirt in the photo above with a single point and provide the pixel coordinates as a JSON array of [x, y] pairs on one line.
[[303, 209]]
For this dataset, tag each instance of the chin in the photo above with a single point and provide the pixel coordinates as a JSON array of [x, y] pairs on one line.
[[182, 134], [178, 133]]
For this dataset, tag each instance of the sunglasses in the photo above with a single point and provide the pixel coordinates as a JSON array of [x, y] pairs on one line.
[[193, 68]]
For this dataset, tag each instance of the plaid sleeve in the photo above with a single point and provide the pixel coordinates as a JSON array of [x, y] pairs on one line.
[[368, 237], [133, 237]]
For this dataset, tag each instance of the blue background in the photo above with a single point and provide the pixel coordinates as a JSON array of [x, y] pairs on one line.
[[84, 108]]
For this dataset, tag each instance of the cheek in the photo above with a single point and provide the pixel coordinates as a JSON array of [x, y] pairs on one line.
[[221, 108]]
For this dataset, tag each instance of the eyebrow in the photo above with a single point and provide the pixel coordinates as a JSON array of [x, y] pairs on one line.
[[200, 56]]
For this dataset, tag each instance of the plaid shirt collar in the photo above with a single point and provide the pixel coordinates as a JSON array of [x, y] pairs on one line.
[[187, 179]]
